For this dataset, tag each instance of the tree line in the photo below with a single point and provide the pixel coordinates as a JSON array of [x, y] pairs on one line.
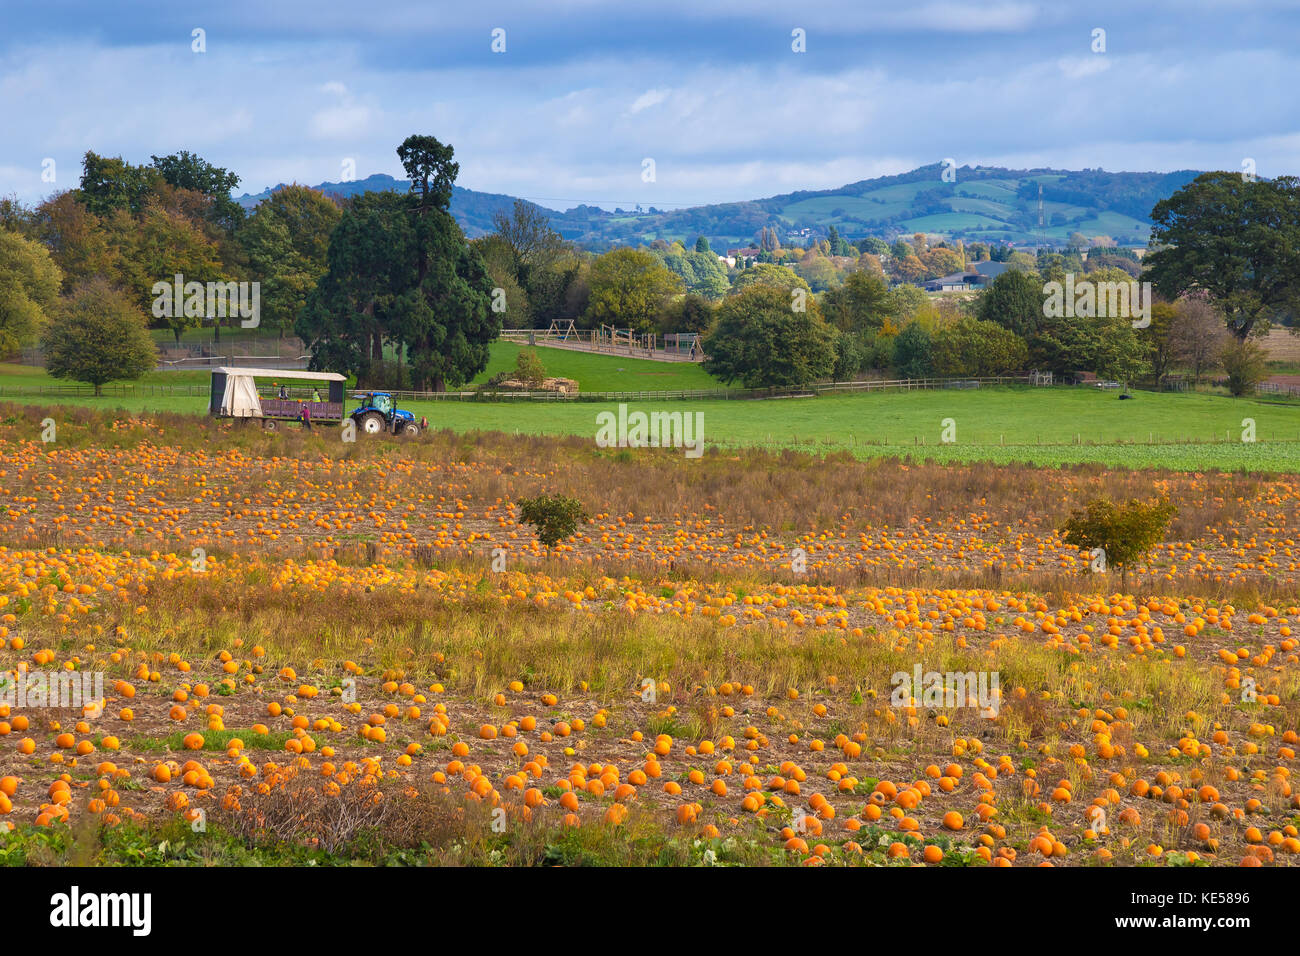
[[385, 286]]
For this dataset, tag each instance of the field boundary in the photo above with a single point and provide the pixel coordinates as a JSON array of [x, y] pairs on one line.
[[485, 394], [123, 390]]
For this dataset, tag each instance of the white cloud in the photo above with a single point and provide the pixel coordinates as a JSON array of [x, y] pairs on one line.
[[719, 130], [340, 122], [1075, 68], [648, 99]]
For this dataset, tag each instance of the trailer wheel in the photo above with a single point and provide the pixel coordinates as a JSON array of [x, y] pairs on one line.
[[372, 423], [270, 424]]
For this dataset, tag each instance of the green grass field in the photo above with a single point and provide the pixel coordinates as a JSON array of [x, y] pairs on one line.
[[604, 373], [1006, 424], [592, 372], [1048, 426]]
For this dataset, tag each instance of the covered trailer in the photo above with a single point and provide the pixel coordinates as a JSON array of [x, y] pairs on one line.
[[234, 394]]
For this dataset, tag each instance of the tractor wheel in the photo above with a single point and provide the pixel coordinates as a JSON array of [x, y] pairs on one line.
[[411, 428], [372, 423], [270, 424]]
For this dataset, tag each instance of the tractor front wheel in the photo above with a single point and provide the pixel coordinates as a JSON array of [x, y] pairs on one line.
[[411, 428]]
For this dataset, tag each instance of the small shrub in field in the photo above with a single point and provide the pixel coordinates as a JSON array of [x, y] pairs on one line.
[[1246, 364], [529, 368], [1123, 532], [553, 517], [289, 807]]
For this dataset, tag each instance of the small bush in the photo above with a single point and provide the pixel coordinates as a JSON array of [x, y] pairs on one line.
[[553, 517], [1123, 532], [1246, 364], [300, 809], [529, 368]]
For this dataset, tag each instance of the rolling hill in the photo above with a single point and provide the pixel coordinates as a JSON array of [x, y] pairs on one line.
[[982, 203]]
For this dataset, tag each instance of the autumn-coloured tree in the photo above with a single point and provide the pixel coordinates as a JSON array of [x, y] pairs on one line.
[[1118, 535]]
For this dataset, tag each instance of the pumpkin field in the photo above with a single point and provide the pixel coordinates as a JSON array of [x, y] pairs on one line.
[[310, 652]]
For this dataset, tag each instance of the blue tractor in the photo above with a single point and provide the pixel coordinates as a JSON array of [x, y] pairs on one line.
[[378, 414]]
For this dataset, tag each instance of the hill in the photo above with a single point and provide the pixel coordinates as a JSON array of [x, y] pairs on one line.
[[988, 203]]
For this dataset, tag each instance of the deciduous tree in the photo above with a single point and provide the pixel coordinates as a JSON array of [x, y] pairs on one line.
[[98, 335], [761, 341]]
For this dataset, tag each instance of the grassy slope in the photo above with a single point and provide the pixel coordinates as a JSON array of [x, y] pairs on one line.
[[604, 373], [28, 375], [593, 373]]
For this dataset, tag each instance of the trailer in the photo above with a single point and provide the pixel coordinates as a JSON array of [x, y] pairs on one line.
[[235, 394]]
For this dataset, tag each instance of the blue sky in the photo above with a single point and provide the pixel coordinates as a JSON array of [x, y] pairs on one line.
[[586, 91]]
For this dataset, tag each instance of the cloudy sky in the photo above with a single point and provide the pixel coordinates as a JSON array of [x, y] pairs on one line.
[[584, 92]]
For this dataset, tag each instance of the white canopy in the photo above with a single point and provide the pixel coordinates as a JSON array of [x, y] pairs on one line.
[[239, 397], [281, 373]]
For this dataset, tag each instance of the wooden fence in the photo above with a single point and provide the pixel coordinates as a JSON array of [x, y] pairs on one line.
[[639, 395]]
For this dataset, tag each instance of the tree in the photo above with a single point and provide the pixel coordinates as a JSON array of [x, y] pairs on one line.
[[873, 245], [1197, 335], [529, 368], [1122, 355], [16, 217], [701, 272], [553, 517], [906, 301], [444, 319], [838, 245], [1118, 535], [287, 240], [1236, 239], [1163, 351], [689, 313], [819, 272], [973, 347], [1107, 345], [508, 295], [156, 246], [185, 170], [401, 271], [940, 261], [544, 264], [428, 164], [109, 183], [370, 262], [1246, 365], [1014, 300], [870, 263], [702, 245], [75, 237], [98, 336], [769, 274], [29, 288], [912, 347], [909, 269], [861, 304], [630, 287], [760, 340], [849, 355]]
